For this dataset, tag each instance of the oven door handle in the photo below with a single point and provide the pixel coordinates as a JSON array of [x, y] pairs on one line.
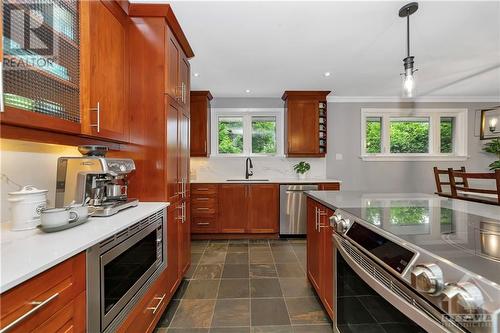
[[426, 321]]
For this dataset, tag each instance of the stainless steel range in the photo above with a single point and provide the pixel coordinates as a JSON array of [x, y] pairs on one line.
[[414, 265]]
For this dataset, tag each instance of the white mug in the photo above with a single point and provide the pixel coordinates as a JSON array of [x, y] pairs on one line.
[[54, 217], [82, 211]]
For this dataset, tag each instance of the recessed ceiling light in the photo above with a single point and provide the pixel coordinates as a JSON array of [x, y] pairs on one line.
[[327, 74], [196, 74], [247, 91]]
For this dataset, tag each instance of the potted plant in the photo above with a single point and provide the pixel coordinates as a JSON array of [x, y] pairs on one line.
[[301, 169], [493, 147]]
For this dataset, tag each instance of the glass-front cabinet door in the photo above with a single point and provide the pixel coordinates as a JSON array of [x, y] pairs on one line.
[[41, 65]]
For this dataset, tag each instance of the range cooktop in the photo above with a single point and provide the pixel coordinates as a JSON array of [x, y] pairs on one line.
[[464, 233]]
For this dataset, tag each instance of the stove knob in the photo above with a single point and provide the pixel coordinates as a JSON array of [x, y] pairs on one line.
[[462, 298], [336, 218], [343, 225], [427, 278]]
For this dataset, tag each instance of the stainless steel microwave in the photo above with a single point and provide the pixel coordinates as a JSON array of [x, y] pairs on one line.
[[121, 268]]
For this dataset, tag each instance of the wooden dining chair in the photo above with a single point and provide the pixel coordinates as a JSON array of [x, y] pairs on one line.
[[439, 183], [477, 194]]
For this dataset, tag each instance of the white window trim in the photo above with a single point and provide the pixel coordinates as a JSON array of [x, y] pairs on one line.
[[246, 113], [460, 134]]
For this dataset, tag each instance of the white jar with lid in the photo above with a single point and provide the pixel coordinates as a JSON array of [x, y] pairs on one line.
[[26, 206]]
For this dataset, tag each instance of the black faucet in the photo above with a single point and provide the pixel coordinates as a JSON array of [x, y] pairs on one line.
[[248, 173]]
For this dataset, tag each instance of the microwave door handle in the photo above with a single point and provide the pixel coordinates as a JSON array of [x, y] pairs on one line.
[[423, 319]]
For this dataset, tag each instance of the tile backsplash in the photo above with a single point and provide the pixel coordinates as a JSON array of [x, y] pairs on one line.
[[29, 163], [263, 167]]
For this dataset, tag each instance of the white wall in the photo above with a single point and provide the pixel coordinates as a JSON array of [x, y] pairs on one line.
[[344, 131], [29, 163]]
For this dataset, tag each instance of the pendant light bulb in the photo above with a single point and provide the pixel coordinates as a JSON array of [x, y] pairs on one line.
[[409, 83], [409, 86]]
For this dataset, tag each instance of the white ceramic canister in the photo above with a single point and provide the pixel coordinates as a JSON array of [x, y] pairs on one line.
[[26, 206]]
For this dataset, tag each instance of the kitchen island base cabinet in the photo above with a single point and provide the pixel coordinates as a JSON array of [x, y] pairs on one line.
[[53, 301], [320, 252]]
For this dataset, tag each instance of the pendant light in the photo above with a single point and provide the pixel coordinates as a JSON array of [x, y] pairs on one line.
[[408, 75]]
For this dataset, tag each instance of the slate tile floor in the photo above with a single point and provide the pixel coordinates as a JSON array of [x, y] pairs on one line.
[[248, 286]]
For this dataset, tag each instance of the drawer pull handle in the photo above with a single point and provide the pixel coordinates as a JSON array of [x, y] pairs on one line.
[[202, 189], [38, 306], [202, 223], [202, 208], [201, 199], [154, 309]]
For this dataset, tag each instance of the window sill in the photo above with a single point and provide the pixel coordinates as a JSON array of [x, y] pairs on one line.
[[246, 155], [403, 158]]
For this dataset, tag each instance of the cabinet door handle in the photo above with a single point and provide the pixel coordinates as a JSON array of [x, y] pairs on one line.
[[183, 92], [316, 218], [184, 212], [319, 225], [98, 123], [154, 309], [38, 306]]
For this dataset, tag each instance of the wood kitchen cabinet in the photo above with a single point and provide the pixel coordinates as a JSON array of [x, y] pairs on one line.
[[314, 254], [263, 208], [320, 252], [233, 208], [249, 208], [305, 122], [204, 208], [61, 291], [159, 136], [200, 123], [177, 84], [86, 92], [105, 70], [43, 97]]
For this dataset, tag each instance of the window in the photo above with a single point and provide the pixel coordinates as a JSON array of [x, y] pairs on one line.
[[247, 132], [414, 134]]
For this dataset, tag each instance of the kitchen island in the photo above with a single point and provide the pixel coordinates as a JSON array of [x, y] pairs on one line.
[[422, 258]]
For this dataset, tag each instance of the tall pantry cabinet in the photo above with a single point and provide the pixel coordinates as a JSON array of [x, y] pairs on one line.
[[159, 121]]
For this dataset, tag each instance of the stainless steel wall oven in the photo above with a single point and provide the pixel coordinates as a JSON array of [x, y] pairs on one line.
[[121, 268]]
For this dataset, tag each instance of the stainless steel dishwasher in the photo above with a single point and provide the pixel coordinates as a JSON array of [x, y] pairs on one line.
[[293, 209]]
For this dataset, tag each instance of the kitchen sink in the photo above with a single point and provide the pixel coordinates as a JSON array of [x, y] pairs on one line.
[[247, 180]]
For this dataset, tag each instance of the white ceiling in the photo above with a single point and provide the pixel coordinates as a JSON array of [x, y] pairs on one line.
[[269, 47]]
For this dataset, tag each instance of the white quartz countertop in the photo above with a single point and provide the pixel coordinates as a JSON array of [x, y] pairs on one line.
[[266, 181], [25, 254]]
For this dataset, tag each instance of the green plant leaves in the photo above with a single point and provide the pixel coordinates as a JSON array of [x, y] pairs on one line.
[[302, 167]]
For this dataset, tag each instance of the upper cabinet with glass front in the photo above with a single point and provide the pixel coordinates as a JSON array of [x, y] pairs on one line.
[[65, 67], [41, 67]]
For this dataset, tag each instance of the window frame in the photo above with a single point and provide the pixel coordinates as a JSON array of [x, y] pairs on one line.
[[246, 114], [434, 115]]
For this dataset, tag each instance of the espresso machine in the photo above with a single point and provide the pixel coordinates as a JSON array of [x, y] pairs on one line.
[[94, 179]]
